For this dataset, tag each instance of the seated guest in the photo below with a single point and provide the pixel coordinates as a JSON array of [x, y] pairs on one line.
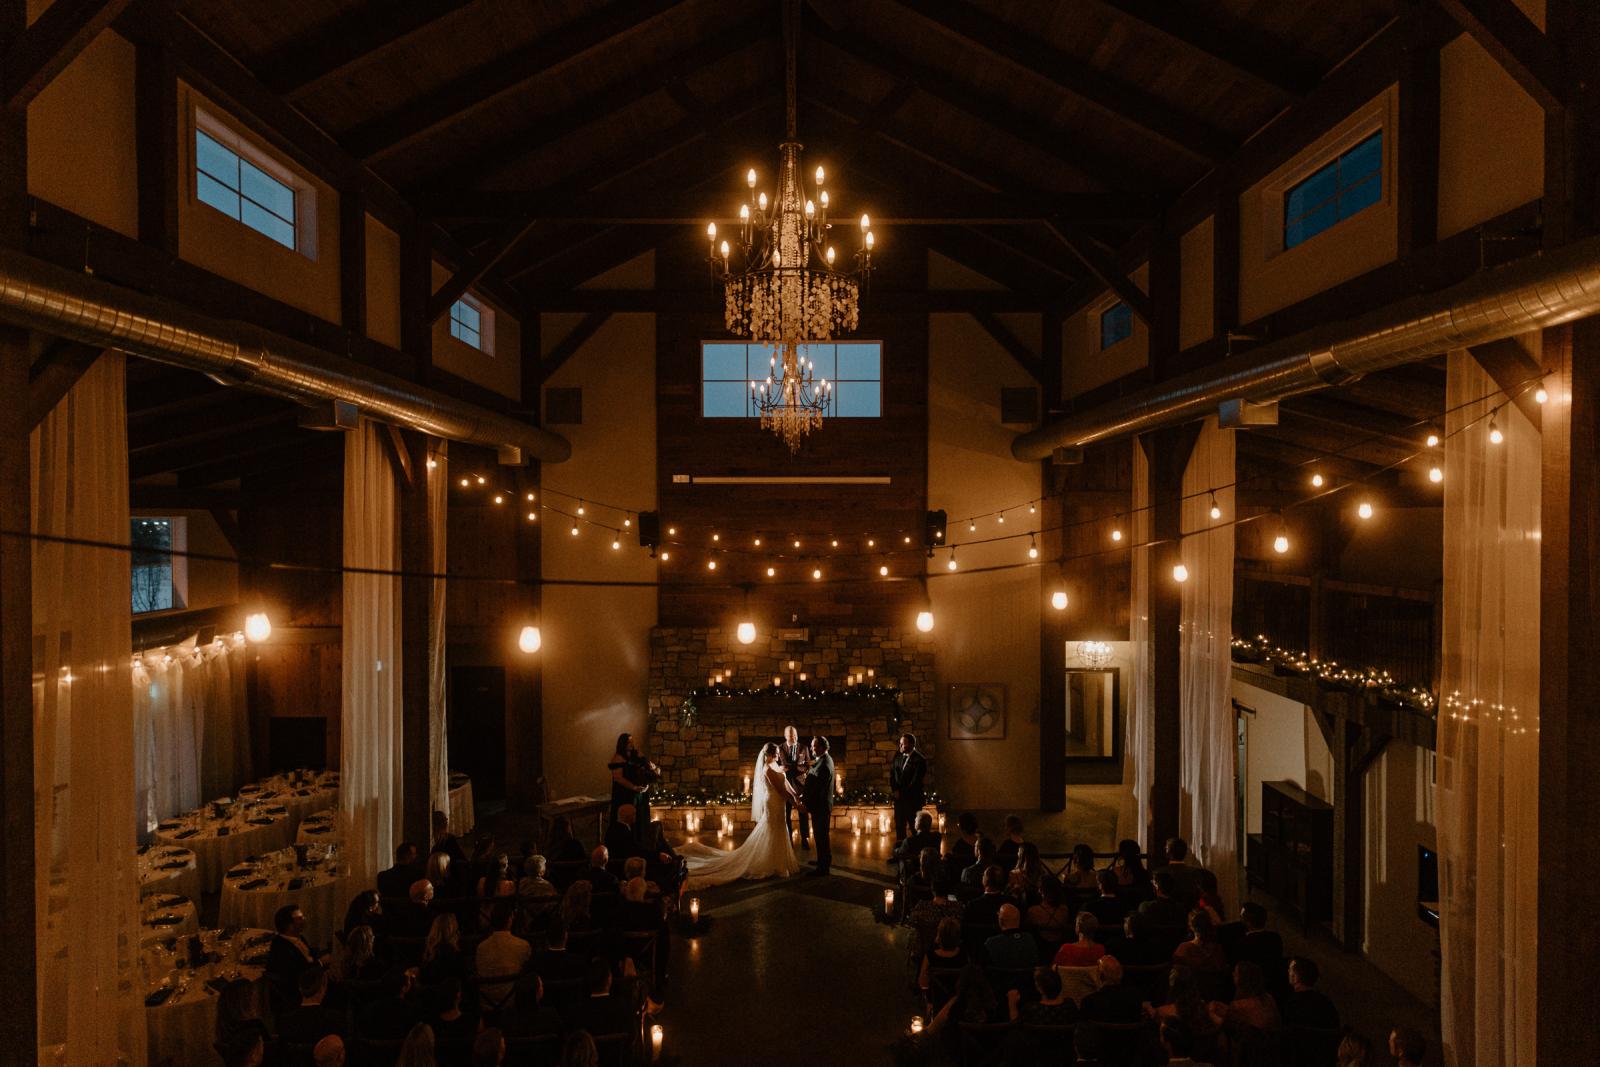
[[1178, 1043], [1053, 1008], [501, 953], [1164, 911], [1407, 1046], [636, 911], [1010, 843], [418, 1048], [1025, 875], [985, 910], [1355, 1051], [622, 838], [973, 873], [600, 879], [928, 869], [534, 886], [601, 1013], [908, 852], [246, 1050], [1185, 1005], [329, 1052], [1086, 950], [496, 882], [553, 962], [1108, 907], [441, 952], [562, 847], [417, 918], [974, 1001], [1185, 874], [453, 1029], [578, 1050], [1079, 873], [239, 1013], [390, 1017], [945, 953], [1262, 947], [289, 955], [311, 1021], [1113, 1002], [364, 910], [445, 841], [963, 851], [1136, 947], [489, 1048], [439, 871], [577, 906], [927, 915], [1201, 953], [1210, 894], [1051, 918], [1251, 1008], [544, 1019], [624, 841], [1129, 867], [1011, 949], [395, 883], [1306, 1005]]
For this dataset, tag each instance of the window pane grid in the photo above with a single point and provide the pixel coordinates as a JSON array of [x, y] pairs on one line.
[[726, 397], [242, 194], [1342, 188], [1116, 325], [466, 323]]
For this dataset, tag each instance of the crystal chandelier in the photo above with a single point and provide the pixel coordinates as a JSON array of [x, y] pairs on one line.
[[1094, 654], [782, 286]]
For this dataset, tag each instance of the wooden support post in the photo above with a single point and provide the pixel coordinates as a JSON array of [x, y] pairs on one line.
[[1569, 691], [155, 121], [416, 283], [1168, 451], [1165, 280], [525, 673], [1052, 648], [353, 261], [1349, 818], [1418, 159], [416, 606], [1571, 203]]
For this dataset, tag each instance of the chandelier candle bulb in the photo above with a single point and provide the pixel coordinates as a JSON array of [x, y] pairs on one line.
[[916, 1024], [747, 785], [657, 1036], [1365, 510]]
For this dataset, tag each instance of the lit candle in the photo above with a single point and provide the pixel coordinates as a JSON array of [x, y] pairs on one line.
[[791, 665], [656, 1036], [941, 822], [888, 903], [776, 681], [916, 1024], [694, 909], [855, 822], [883, 822], [841, 783], [747, 785], [802, 676]]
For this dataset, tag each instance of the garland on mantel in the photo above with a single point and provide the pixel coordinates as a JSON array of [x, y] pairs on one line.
[[852, 797], [1330, 674], [786, 696]]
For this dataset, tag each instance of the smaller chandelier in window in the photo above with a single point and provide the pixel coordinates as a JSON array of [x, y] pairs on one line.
[[1094, 653]]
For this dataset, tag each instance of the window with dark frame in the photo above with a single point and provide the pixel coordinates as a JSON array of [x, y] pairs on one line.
[[1116, 325], [227, 181], [466, 322], [1343, 187], [153, 583], [854, 369]]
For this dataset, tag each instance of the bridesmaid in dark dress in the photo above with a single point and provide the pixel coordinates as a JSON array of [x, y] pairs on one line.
[[631, 778]]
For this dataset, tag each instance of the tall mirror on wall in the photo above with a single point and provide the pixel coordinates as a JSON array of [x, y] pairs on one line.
[[1093, 696]]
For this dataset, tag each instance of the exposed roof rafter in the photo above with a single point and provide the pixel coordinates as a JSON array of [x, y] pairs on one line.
[[309, 61]]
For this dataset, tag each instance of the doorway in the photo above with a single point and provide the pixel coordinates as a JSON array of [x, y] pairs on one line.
[[477, 729]]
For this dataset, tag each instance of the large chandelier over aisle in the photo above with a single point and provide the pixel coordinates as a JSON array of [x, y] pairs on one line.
[[783, 283]]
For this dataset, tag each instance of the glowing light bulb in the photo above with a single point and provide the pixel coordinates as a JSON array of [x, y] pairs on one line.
[[761, 201], [433, 463], [883, 572], [758, 542], [744, 212], [581, 509], [482, 479], [866, 223], [811, 209], [1116, 535], [1365, 510], [1058, 600], [1433, 440], [951, 565], [672, 531], [1495, 436], [797, 544], [908, 540], [1180, 573], [829, 255], [816, 573], [533, 516], [750, 177], [871, 543], [530, 639], [1435, 474], [1002, 519], [1541, 395], [1032, 509], [530, 498], [465, 482], [627, 522], [724, 250], [972, 525], [716, 537], [824, 199], [665, 556], [925, 621], [498, 499], [819, 175], [257, 627], [870, 241], [1033, 551], [711, 230], [615, 544], [711, 564], [1316, 481], [574, 530], [1280, 544], [771, 571], [747, 633]]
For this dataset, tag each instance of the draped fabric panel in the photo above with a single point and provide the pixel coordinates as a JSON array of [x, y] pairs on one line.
[[438, 731], [191, 731], [1208, 806], [1488, 753], [1138, 752], [86, 881], [370, 778]]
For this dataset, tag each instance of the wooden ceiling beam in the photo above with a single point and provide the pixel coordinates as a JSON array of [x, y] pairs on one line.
[[1003, 336], [1102, 263], [54, 374], [1519, 46], [1121, 101], [477, 268], [414, 120], [707, 300], [309, 61], [1511, 366], [579, 260], [1328, 407], [568, 346], [50, 44], [292, 455], [1230, 44], [207, 453]]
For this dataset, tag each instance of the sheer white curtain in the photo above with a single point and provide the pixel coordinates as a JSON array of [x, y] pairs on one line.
[[370, 735], [1208, 810], [1138, 750], [85, 877], [1489, 726], [191, 732], [438, 733]]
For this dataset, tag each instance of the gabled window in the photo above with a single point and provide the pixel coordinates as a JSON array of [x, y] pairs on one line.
[[1344, 186], [469, 323], [236, 186], [854, 369], [1116, 325]]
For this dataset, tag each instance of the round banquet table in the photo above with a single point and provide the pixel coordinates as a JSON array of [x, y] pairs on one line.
[[300, 792], [320, 829], [182, 1027], [162, 917], [320, 895], [219, 844], [168, 870], [463, 816]]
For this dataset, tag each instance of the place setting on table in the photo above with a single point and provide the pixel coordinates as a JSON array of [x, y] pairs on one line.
[[302, 792], [223, 832], [320, 829], [183, 977], [165, 915], [305, 875], [169, 870]]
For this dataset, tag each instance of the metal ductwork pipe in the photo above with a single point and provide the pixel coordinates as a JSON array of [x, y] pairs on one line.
[[44, 297], [1513, 299]]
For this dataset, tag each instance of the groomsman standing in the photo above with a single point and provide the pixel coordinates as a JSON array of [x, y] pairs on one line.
[[795, 759], [906, 775]]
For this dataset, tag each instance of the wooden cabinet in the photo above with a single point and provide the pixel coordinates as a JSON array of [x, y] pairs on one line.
[[1292, 856]]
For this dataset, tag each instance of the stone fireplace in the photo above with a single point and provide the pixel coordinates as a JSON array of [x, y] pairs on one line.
[[712, 750]]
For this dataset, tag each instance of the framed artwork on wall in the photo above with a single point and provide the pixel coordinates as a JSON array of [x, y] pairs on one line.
[[977, 711]]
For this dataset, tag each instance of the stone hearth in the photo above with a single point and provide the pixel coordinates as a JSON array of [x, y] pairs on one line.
[[713, 754]]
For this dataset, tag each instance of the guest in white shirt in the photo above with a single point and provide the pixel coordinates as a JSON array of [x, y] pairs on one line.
[[502, 952]]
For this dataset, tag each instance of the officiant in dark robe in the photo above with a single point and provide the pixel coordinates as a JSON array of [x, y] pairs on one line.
[[796, 760]]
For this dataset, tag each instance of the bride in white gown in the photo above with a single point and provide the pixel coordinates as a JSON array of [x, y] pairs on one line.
[[767, 852]]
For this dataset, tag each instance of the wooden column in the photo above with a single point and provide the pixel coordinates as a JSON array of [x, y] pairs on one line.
[[416, 285], [416, 608], [1418, 141], [19, 1038], [1571, 205], [1168, 451], [1052, 645], [1569, 694], [155, 120], [525, 673], [1165, 281]]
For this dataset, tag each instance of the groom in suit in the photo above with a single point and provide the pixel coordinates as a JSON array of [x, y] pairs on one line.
[[817, 801]]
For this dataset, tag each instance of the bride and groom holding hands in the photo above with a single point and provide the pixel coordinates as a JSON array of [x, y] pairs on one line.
[[785, 776]]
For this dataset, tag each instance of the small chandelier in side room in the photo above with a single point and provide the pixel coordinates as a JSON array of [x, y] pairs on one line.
[[1094, 654], [784, 284]]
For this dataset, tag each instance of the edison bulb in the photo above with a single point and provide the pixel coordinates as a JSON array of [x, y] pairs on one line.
[[1365, 510], [574, 530], [816, 574], [530, 639], [615, 544], [747, 633], [1116, 535], [1435, 474], [1058, 600], [257, 627], [1495, 436], [465, 482], [883, 572], [498, 499], [711, 564], [925, 621], [665, 556], [772, 572], [1541, 395], [1433, 440], [1216, 512], [1180, 573], [1316, 481], [952, 564], [1033, 551], [1280, 544]]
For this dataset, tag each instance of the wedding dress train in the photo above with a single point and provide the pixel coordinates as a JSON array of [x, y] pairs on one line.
[[766, 853]]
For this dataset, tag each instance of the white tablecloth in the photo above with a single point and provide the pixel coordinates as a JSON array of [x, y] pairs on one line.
[[319, 830], [162, 917], [301, 792], [169, 870], [183, 1027], [463, 815], [215, 853], [321, 897]]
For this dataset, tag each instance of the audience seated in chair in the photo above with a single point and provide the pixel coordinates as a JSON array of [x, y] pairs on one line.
[[310, 1022], [1113, 1002], [1011, 949], [985, 910], [553, 962], [417, 917], [1407, 1047], [1022, 881], [390, 1017], [1306, 1005], [395, 882], [445, 841], [289, 955], [578, 1050], [1053, 1008], [496, 882], [1129, 867], [441, 952], [602, 1012], [453, 1029], [329, 1052], [1187, 1006], [1201, 953], [1178, 1043], [563, 847], [928, 915], [1010, 843], [535, 886], [1079, 873], [1110, 907], [972, 874], [418, 1048], [963, 851], [1185, 873], [944, 954], [543, 1019], [1050, 918], [1251, 1008], [908, 852], [364, 910], [1166, 910], [489, 1048], [1356, 1051], [1087, 949], [502, 953], [1263, 947], [599, 875]]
